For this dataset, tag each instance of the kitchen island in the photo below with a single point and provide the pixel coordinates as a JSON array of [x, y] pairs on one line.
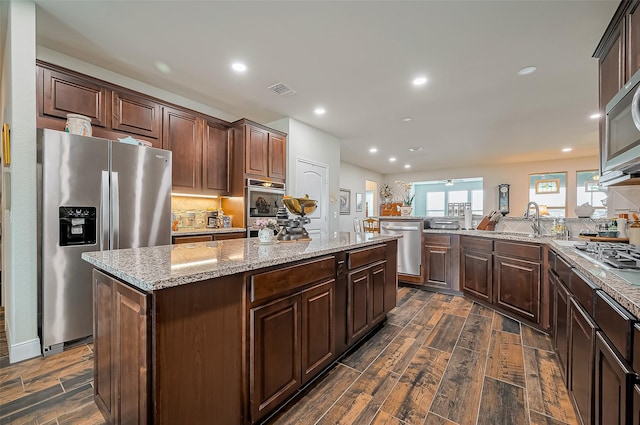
[[227, 331]]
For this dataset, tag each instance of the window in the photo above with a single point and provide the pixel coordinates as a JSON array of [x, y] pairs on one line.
[[588, 191], [432, 197], [550, 190]]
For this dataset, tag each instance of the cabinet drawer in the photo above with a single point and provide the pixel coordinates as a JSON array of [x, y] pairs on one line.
[[530, 252], [583, 290], [192, 239], [361, 257], [476, 244], [437, 240], [564, 271], [636, 350], [616, 322], [284, 280]]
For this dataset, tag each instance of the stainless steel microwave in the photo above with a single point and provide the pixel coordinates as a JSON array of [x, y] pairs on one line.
[[621, 148]]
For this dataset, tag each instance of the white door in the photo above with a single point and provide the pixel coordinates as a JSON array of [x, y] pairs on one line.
[[311, 179]]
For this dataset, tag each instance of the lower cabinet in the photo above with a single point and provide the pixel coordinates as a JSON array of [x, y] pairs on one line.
[[613, 384], [121, 325], [636, 404], [582, 335], [438, 262], [365, 299], [476, 274], [561, 326], [517, 286]]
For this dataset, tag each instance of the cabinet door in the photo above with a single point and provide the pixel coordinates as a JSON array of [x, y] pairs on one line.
[[182, 135], [103, 341], [561, 326], [137, 115], [612, 71], [66, 94], [517, 286], [277, 156], [477, 274], [613, 384], [437, 266], [582, 334], [275, 371], [256, 147], [636, 405], [378, 282], [358, 304], [318, 329], [633, 40], [216, 159]]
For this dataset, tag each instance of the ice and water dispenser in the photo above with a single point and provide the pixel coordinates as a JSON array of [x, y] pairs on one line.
[[77, 226]]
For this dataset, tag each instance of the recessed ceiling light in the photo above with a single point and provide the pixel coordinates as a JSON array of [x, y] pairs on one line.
[[392, 159], [319, 111], [527, 70], [567, 149], [419, 81], [595, 116], [406, 119], [407, 166], [373, 150], [239, 67], [163, 67], [415, 149]]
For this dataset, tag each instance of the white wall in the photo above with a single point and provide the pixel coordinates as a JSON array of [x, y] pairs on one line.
[[307, 142], [18, 108], [354, 178], [517, 175]]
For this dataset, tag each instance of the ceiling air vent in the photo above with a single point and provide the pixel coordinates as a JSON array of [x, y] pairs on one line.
[[282, 90]]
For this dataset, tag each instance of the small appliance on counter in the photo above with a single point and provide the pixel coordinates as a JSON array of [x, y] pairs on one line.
[[444, 224], [211, 219]]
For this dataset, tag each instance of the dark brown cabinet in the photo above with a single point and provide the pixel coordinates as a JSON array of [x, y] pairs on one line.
[[582, 335], [517, 286], [366, 289], [561, 326], [136, 115], [259, 152], [216, 159], [613, 385], [439, 270], [318, 329], [274, 354], [476, 268], [64, 94], [121, 326], [636, 405], [182, 135]]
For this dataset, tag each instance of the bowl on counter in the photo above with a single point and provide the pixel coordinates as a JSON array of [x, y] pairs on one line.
[[608, 233]]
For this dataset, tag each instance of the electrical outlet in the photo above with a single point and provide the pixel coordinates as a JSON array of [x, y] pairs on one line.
[[335, 214]]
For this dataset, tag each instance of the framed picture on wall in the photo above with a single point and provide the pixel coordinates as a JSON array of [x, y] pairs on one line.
[[358, 202], [345, 201]]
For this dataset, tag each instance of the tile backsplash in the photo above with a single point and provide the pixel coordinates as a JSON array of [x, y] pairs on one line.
[[623, 198], [186, 203]]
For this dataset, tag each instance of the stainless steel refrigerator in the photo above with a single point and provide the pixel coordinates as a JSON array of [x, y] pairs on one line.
[[93, 194]]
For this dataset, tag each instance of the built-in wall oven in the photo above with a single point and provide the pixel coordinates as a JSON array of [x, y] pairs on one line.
[[263, 200]]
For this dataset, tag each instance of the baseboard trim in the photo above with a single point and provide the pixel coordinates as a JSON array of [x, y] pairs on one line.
[[23, 350]]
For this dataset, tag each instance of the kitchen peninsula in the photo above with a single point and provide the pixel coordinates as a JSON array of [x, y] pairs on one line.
[[228, 331]]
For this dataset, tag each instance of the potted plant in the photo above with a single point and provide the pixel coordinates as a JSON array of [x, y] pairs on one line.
[[406, 197], [267, 228]]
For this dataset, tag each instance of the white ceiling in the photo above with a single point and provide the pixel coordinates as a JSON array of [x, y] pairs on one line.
[[357, 59]]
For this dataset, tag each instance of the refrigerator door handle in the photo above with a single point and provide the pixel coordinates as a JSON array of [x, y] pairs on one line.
[[104, 210], [115, 210]]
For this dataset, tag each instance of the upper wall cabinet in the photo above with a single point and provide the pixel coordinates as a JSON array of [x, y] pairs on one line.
[[65, 94], [259, 152], [201, 145]]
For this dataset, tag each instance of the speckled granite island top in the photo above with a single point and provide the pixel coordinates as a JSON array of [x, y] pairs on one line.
[[166, 266]]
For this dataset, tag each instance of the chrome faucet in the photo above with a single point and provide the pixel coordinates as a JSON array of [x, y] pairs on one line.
[[536, 218]]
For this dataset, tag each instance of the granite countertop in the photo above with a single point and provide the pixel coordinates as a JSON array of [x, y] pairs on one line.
[[166, 266], [626, 294], [207, 231]]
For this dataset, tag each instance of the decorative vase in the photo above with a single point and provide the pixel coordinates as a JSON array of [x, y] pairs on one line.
[[265, 235], [78, 124], [405, 211]]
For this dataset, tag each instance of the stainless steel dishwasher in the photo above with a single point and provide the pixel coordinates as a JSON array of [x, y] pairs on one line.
[[409, 249]]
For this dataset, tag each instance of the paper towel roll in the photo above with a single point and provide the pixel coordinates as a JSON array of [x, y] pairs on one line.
[[468, 218]]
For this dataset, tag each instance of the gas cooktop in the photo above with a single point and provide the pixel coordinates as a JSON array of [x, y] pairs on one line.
[[621, 259]]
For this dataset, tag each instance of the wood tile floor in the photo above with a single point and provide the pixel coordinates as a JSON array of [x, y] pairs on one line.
[[439, 360]]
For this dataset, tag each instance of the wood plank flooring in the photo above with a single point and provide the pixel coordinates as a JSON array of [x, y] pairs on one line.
[[438, 360]]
